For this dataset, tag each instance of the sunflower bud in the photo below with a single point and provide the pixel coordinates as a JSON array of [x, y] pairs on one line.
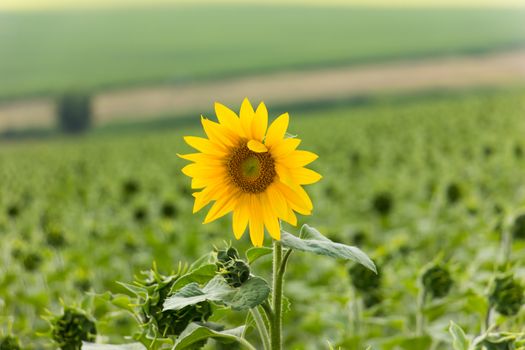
[[488, 151], [507, 295], [518, 151], [172, 322], [237, 273], [140, 214], [355, 159], [130, 188], [518, 227], [383, 203], [13, 211], [234, 270], [9, 343], [226, 255], [72, 328], [454, 193], [437, 281], [168, 210], [55, 237], [32, 261]]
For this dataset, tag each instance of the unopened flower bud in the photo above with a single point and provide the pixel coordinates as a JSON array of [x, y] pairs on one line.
[[437, 281], [507, 295], [72, 328]]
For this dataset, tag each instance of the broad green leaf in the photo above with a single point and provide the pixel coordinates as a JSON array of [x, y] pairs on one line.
[[200, 275], [195, 333], [255, 253], [459, 340], [252, 293], [122, 301], [308, 232], [131, 346], [138, 291], [203, 260], [316, 243]]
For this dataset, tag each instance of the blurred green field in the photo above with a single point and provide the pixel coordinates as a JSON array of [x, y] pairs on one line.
[[51, 51], [107, 195]]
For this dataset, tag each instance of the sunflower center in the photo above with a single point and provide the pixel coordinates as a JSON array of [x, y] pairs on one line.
[[250, 171]]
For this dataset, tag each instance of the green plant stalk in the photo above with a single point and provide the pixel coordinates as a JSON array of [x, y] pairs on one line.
[[267, 308], [420, 316], [261, 327], [487, 318], [277, 296], [506, 246], [356, 315], [246, 344]]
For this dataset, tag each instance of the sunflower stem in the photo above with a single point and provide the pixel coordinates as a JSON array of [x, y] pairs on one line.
[[420, 316], [277, 297], [261, 327], [506, 246]]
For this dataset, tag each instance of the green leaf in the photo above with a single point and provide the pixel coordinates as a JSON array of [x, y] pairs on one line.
[[308, 232], [314, 242], [203, 260], [255, 253], [122, 301], [460, 341], [252, 293], [195, 333], [136, 290], [131, 346], [199, 275]]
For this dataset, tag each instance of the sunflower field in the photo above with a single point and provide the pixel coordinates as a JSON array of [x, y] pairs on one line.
[[431, 188]]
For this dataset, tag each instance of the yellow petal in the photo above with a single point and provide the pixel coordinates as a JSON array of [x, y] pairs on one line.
[[247, 115], [298, 159], [291, 218], [257, 146], [208, 194], [304, 176], [271, 221], [202, 199], [200, 182], [285, 147], [297, 198], [197, 183], [277, 130], [218, 133], [260, 122], [256, 222], [204, 145], [285, 175], [241, 215], [278, 201], [227, 117], [200, 157], [305, 197], [221, 207], [203, 170]]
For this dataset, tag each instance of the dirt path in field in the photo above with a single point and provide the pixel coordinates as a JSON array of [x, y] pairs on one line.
[[496, 69]]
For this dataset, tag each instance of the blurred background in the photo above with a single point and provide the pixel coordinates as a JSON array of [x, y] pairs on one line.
[[416, 109], [141, 60]]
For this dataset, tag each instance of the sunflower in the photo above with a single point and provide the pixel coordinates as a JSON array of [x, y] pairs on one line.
[[250, 169]]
